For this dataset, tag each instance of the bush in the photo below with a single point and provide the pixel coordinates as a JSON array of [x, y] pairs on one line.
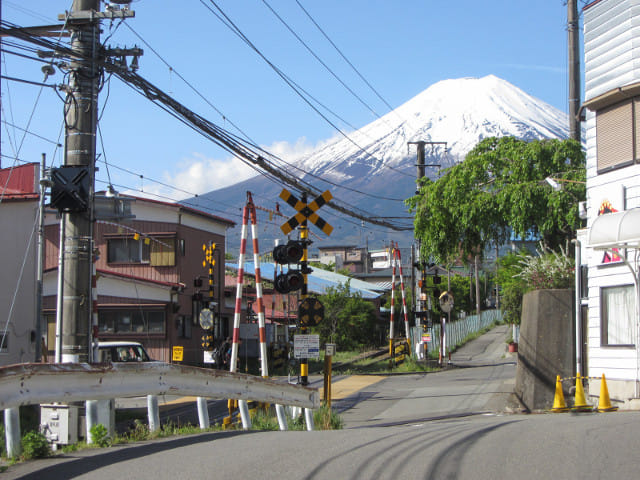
[[100, 435], [3, 445], [519, 273], [35, 445]]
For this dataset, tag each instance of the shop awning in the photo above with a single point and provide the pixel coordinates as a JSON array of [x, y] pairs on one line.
[[616, 230]]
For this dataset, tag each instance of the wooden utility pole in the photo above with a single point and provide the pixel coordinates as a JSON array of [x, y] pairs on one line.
[[80, 151], [575, 132]]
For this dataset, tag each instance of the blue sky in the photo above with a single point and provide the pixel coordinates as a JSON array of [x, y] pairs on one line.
[[400, 47]]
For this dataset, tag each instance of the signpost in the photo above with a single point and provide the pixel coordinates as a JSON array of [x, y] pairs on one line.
[[329, 352]]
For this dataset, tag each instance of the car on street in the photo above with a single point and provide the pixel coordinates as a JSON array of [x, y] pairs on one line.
[[122, 351]]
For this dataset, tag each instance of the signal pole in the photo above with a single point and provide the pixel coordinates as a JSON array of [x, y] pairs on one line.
[[304, 235]]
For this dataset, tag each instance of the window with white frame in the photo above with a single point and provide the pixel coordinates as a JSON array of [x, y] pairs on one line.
[[617, 314]]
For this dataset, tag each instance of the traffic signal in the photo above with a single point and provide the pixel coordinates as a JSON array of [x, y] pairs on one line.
[[289, 282], [290, 253]]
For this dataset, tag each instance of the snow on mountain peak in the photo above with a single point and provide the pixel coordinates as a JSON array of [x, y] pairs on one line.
[[460, 112]]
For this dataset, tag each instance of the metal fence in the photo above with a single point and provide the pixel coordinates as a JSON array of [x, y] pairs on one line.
[[458, 331]]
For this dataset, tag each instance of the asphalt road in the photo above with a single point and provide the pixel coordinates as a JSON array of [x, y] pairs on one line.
[[451, 424]]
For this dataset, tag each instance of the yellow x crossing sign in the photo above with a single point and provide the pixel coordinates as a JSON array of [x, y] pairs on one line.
[[306, 211]]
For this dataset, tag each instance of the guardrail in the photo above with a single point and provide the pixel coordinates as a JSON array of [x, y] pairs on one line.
[[36, 383]]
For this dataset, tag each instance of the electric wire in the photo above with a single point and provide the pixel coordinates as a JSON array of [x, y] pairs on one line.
[[253, 143], [295, 87], [246, 136], [224, 139], [310, 50], [343, 56]]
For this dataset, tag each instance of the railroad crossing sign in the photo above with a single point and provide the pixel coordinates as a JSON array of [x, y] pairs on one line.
[[306, 211]]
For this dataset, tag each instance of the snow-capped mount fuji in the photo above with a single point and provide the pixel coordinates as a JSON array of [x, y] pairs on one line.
[[376, 159], [460, 112]]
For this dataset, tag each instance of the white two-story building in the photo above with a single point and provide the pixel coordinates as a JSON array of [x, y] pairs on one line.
[[610, 329]]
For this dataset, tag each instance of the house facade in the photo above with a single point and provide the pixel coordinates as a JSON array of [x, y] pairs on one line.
[[355, 259], [150, 278], [609, 331], [19, 207]]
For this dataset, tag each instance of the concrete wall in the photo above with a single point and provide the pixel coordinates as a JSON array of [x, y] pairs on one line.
[[547, 346]]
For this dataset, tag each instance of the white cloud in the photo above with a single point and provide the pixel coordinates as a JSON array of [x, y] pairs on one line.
[[200, 174]]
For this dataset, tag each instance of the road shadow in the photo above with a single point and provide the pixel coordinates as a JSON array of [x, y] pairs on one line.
[[68, 466]]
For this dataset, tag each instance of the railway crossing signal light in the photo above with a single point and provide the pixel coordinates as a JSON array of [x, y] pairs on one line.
[[290, 253], [289, 282], [207, 342]]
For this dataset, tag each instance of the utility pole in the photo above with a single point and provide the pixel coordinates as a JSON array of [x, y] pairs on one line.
[[73, 184], [575, 132], [418, 304], [80, 151]]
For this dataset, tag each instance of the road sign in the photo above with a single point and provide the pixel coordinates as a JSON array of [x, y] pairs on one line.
[[306, 346], [306, 212], [446, 302], [310, 312], [178, 354], [330, 349]]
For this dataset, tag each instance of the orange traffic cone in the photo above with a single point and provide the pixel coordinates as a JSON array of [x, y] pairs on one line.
[[580, 403], [604, 404], [558, 400]]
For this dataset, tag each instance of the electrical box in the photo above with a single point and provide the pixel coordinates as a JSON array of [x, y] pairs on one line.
[[59, 423]]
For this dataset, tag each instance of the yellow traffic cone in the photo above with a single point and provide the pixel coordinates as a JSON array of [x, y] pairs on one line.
[[604, 404], [580, 403], [558, 399]]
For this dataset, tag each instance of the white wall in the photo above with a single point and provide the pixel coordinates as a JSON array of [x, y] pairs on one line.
[[612, 33], [18, 238]]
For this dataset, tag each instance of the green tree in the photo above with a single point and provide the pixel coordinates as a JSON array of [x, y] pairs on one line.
[[350, 321], [500, 190]]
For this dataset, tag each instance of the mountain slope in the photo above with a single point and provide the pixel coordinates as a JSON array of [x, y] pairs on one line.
[[376, 159]]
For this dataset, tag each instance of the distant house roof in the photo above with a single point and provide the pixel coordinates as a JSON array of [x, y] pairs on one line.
[[19, 183], [318, 281]]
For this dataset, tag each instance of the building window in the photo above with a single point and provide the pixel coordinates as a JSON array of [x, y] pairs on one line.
[[4, 342], [128, 250], [163, 252], [132, 321], [617, 314], [158, 252], [618, 134]]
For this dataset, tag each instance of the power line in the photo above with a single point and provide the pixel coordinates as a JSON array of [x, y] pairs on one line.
[[320, 60], [224, 139], [253, 143], [343, 56], [294, 86]]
